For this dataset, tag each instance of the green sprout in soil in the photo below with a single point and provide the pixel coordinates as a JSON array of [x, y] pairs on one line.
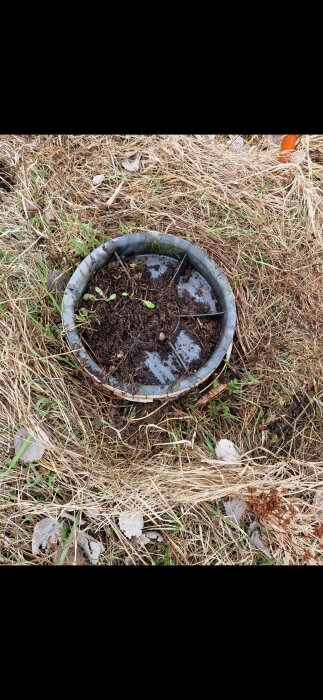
[[91, 297], [112, 297], [149, 304]]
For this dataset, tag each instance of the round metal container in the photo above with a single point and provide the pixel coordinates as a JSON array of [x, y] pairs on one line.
[[163, 249]]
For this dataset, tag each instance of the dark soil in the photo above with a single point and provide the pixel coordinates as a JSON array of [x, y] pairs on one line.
[[118, 332]]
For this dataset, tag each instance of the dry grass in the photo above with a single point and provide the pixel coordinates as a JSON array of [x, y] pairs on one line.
[[262, 222]]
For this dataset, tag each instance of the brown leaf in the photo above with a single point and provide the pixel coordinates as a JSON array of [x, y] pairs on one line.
[[30, 207], [206, 398], [72, 558], [49, 217], [57, 279]]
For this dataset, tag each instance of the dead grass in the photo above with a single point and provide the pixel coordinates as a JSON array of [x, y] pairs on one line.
[[262, 223]]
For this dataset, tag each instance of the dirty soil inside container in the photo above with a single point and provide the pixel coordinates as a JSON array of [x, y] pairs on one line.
[[142, 319]]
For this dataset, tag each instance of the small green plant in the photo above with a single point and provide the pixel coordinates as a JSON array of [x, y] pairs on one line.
[[125, 229], [146, 302], [91, 297], [236, 386], [221, 409]]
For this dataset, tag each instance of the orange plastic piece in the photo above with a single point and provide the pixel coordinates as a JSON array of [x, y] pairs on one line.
[[287, 147]]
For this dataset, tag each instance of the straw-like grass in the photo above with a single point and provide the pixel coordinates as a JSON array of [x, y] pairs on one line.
[[262, 223]]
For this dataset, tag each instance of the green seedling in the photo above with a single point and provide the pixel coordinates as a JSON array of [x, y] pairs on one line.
[[112, 297], [91, 297], [147, 303]]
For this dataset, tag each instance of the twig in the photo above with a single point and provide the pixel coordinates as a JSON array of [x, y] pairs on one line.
[[114, 196], [215, 315], [122, 265], [177, 355], [178, 269], [211, 394]]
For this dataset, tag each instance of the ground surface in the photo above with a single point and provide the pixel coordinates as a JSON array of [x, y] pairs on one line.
[[262, 223]]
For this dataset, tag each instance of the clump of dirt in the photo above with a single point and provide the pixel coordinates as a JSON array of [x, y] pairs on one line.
[[118, 333], [7, 179]]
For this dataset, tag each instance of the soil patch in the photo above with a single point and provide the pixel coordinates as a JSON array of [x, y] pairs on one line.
[[136, 343]]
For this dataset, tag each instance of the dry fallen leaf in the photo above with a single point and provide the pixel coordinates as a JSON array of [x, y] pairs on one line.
[[45, 536], [146, 538], [131, 524], [29, 207], [71, 516], [72, 558], [226, 451], [57, 280], [128, 561], [49, 217], [259, 542], [235, 509], [298, 157], [132, 162], [98, 179], [236, 142], [36, 446], [92, 511], [154, 535], [318, 505], [91, 547], [206, 398]]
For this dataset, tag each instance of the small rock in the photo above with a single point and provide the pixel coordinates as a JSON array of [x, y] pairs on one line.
[[57, 280]]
